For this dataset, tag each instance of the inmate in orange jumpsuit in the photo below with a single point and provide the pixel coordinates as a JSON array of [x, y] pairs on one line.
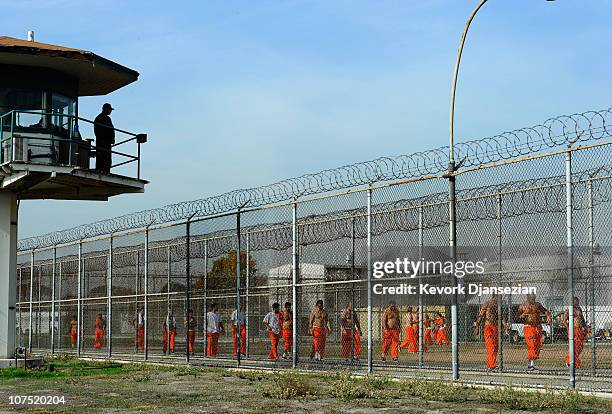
[[73, 333], [441, 337], [99, 336], [390, 340], [533, 340], [287, 333], [427, 336], [191, 331], [578, 346], [139, 338], [346, 343], [491, 336]]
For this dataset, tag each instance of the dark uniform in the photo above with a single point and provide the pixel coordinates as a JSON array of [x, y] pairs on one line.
[[105, 138]]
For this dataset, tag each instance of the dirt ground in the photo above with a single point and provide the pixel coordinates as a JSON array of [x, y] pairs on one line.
[[104, 387]]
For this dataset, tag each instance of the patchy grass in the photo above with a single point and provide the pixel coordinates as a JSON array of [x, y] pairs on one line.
[[287, 385], [106, 386]]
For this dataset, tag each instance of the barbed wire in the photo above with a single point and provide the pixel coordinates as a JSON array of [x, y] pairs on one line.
[[518, 198], [554, 132]]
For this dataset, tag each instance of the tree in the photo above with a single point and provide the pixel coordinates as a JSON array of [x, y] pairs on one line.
[[223, 272]]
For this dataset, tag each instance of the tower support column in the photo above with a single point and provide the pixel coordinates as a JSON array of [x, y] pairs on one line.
[[8, 272]]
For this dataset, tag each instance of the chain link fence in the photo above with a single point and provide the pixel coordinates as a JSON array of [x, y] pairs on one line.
[[111, 295]]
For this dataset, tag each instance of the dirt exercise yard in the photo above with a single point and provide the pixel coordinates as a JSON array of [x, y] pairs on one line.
[[90, 386]]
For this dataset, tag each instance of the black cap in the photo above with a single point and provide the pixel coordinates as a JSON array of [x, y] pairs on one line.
[[107, 105]]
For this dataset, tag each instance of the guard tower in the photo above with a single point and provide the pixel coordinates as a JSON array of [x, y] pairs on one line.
[[46, 149]]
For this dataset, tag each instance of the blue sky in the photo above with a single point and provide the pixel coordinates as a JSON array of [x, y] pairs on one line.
[[236, 94]]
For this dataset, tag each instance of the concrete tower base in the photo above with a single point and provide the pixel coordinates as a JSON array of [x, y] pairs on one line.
[[8, 273]]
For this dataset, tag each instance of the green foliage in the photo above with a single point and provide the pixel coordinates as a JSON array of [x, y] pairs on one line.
[[287, 385], [223, 272]]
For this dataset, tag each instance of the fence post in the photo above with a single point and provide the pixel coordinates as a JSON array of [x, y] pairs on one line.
[[20, 296], [146, 295], [369, 277], [109, 294], [592, 276], [79, 306], [500, 340], [188, 284], [59, 314], [452, 227], [137, 319], [31, 300], [53, 301], [421, 311], [294, 270], [205, 294], [353, 312], [248, 292], [570, 265], [238, 268], [38, 308]]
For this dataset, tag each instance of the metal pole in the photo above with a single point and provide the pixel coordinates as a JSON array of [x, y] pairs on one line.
[[109, 294], [238, 268], [454, 85], [369, 277], [570, 265], [205, 294], [20, 324], [169, 268], [421, 310], [353, 313], [592, 277], [59, 315], [248, 287], [451, 190], [294, 273], [146, 295], [53, 301], [453, 256], [38, 308], [31, 299], [500, 342], [79, 306], [188, 286], [137, 293]]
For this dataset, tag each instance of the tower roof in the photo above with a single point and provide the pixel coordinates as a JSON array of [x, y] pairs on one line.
[[96, 75]]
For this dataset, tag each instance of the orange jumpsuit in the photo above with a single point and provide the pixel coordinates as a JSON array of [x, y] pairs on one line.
[[99, 336], [243, 339], [191, 331], [212, 345], [491, 336], [274, 337], [427, 337], [578, 346], [73, 334], [318, 340], [533, 340], [169, 339], [390, 340], [346, 343], [412, 338], [287, 339], [139, 338], [441, 337], [287, 332]]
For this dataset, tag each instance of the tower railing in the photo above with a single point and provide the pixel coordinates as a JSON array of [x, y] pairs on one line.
[[55, 138]]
